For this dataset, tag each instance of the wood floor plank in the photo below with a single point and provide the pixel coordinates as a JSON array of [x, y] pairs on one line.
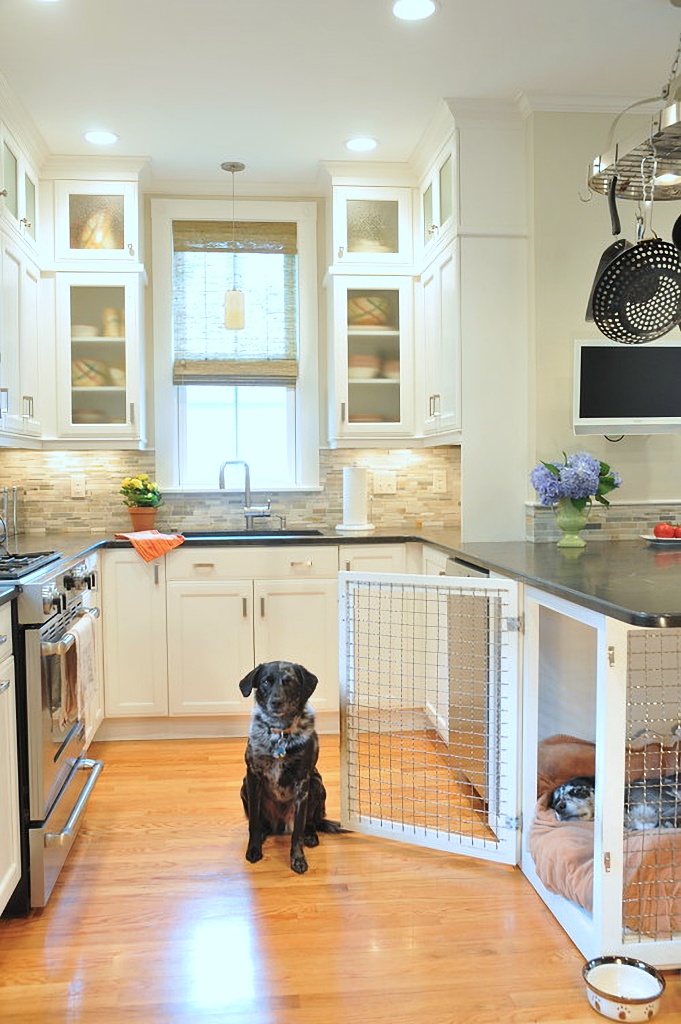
[[159, 919]]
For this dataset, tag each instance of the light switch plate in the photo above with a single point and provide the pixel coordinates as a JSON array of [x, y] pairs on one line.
[[385, 482], [78, 486]]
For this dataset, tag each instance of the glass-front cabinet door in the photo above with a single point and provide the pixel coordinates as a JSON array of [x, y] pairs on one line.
[[96, 221], [18, 190], [373, 356], [98, 345], [372, 226], [437, 200]]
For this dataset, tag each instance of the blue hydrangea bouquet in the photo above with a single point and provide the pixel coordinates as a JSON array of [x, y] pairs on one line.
[[570, 487]]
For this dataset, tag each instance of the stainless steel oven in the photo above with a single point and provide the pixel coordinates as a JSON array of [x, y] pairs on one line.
[[58, 665]]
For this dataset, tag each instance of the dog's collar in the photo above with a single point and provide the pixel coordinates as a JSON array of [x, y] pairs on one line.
[[281, 737]]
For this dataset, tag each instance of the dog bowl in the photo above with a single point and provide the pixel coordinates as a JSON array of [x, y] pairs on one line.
[[621, 988]]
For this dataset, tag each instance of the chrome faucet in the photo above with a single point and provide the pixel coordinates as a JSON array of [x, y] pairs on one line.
[[251, 512]]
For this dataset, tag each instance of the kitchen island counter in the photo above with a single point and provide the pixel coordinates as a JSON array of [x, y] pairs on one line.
[[628, 580]]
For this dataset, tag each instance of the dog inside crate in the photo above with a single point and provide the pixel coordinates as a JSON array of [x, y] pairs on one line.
[[651, 798]]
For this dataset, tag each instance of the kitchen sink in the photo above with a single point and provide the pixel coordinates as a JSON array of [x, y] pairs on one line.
[[247, 534]]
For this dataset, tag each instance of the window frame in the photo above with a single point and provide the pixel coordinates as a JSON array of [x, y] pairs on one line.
[[166, 409]]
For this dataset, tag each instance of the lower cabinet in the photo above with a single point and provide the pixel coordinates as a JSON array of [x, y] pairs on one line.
[[372, 558], [10, 851], [182, 631], [217, 632], [134, 634]]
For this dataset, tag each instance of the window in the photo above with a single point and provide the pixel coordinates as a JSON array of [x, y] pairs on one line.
[[224, 394]]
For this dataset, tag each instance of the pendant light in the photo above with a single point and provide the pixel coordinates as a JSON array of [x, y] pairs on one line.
[[234, 299]]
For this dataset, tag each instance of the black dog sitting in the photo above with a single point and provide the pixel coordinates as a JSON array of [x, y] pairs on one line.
[[282, 790]]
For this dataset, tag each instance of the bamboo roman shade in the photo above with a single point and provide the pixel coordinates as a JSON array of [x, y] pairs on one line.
[[260, 259]]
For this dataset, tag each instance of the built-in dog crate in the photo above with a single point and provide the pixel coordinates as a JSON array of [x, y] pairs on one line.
[[603, 697], [431, 741], [429, 711]]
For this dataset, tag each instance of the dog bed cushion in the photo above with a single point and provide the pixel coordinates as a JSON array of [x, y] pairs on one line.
[[563, 850]]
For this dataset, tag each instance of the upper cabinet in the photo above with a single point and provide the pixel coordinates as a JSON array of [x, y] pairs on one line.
[[438, 208], [96, 222], [98, 356], [372, 227], [18, 192]]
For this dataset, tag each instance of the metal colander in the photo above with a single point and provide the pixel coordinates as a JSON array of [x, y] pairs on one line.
[[638, 296]]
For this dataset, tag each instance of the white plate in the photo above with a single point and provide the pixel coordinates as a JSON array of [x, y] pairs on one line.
[[652, 539]]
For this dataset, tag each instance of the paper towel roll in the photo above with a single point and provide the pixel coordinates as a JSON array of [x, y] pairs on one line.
[[355, 499]]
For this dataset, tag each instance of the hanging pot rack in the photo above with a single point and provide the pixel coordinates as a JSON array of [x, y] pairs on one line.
[[663, 144]]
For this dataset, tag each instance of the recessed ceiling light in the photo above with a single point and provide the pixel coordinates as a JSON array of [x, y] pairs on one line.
[[414, 10], [99, 138], [361, 144]]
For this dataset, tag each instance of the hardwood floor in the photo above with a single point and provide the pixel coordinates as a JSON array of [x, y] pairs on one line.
[[159, 918]]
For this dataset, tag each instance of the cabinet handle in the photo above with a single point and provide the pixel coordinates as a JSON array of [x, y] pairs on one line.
[[204, 565], [4, 400], [28, 406], [244, 607], [262, 607], [301, 565], [3, 192], [4, 685], [342, 412], [132, 412], [347, 565], [131, 249], [27, 224], [156, 575], [341, 249], [436, 404], [4, 637]]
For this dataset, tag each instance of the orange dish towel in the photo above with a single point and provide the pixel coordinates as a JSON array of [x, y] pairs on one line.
[[151, 544]]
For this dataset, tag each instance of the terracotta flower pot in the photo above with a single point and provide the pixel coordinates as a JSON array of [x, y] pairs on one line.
[[142, 518]]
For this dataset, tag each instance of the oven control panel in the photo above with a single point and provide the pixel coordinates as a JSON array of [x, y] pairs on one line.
[[56, 589]]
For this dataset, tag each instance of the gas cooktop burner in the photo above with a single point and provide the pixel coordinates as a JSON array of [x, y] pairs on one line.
[[13, 567]]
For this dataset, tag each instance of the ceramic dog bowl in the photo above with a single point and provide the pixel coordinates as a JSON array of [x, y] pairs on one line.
[[621, 988]]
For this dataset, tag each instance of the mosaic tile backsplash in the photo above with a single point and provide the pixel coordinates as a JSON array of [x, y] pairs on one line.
[[45, 503]]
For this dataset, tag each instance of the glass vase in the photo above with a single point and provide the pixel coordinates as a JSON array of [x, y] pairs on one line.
[[570, 520]]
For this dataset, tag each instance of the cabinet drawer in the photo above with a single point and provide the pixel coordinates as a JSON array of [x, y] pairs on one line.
[[206, 563], [6, 647]]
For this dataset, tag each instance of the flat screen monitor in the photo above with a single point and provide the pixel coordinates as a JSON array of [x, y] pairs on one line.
[[627, 389]]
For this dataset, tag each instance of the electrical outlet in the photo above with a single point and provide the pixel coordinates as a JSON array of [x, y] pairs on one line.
[[440, 481], [78, 486], [385, 482]]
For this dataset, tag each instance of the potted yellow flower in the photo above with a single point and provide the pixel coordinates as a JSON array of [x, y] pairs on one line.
[[142, 497]]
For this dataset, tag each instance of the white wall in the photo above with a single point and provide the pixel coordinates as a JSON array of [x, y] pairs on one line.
[[568, 239]]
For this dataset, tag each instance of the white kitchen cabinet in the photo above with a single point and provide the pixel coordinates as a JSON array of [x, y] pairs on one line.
[[434, 561], [372, 227], [440, 350], [96, 222], [19, 362], [372, 558], [226, 615], [18, 192], [438, 203], [10, 849], [210, 646], [134, 634], [373, 339], [98, 379]]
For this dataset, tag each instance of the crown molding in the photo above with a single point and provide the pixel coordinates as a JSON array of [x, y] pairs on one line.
[[532, 103], [21, 125]]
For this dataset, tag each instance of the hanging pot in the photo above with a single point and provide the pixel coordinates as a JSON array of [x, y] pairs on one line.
[[638, 296], [613, 250]]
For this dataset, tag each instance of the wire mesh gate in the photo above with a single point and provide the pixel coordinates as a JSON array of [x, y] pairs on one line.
[[429, 713]]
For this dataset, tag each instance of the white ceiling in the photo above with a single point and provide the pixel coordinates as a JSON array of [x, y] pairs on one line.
[[281, 84]]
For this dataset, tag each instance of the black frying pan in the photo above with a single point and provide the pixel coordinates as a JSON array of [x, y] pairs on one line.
[[613, 250]]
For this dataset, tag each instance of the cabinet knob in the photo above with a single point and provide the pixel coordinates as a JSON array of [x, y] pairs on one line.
[[341, 250], [131, 249], [3, 192], [4, 685]]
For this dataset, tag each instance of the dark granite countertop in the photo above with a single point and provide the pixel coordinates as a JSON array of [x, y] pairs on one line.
[[629, 580]]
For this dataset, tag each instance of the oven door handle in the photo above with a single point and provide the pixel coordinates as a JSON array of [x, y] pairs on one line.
[[67, 641], [71, 826]]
